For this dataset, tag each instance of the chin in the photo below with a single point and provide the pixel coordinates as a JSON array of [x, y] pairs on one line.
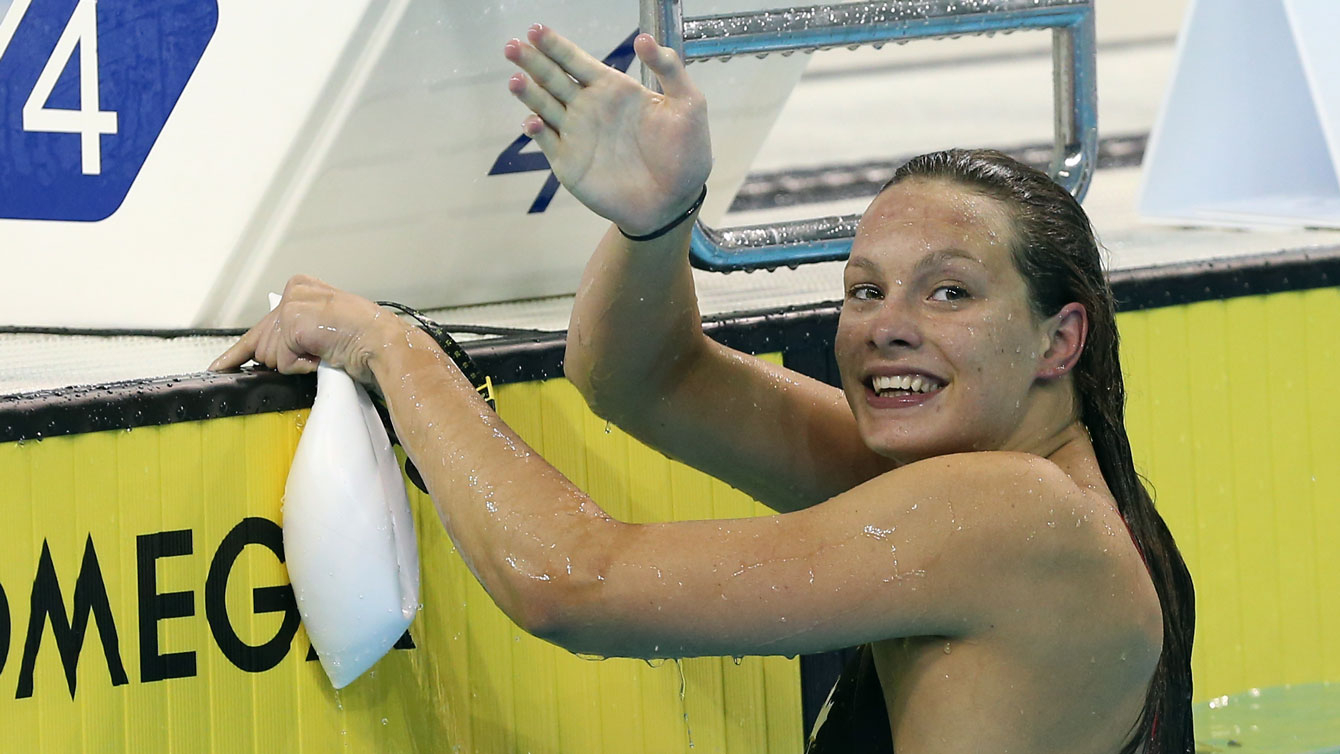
[[905, 447]]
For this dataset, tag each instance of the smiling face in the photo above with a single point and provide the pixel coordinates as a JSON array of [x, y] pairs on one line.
[[938, 349]]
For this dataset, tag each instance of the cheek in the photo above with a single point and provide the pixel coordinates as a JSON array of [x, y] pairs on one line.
[[988, 351], [846, 343]]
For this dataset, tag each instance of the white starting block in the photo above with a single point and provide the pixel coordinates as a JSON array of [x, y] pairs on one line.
[[1249, 132]]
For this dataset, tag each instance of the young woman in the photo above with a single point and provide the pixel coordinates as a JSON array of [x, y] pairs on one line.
[[965, 505]]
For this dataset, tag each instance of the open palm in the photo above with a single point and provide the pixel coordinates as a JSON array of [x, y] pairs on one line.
[[633, 156]]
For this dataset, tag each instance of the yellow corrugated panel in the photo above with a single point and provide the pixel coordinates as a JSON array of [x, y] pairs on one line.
[[1321, 369], [636, 706], [184, 520], [1235, 417]]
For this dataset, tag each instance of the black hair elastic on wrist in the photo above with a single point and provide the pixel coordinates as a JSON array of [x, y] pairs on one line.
[[483, 385], [672, 224]]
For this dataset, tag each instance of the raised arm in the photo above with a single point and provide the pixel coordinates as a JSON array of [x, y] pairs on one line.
[[636, 349]]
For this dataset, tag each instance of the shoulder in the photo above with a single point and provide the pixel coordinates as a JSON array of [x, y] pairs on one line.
[[1010, 510], [1011, 486]]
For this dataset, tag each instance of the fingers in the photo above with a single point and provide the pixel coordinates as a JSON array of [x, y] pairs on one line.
[[575, 61], [292, 363], [663, 61], [538, 100], [237, 354], [265, 343], [544, 71], [542, 133]]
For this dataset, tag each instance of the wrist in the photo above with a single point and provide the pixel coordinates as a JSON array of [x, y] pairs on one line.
[[427, 338], [382, 339], [679, 219]]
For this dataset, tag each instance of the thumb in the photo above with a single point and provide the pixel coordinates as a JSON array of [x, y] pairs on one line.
[[663, 62]]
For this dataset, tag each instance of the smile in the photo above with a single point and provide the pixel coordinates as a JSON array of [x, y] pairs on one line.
[[901, 390]]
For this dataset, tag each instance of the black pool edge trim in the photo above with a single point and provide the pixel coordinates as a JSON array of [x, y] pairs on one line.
[[803, 333], [150, 402]]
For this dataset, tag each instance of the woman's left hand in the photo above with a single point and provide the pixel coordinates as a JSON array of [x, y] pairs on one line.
[[315, 322]]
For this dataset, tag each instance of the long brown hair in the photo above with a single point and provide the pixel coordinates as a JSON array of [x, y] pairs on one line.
[[1057, 254]]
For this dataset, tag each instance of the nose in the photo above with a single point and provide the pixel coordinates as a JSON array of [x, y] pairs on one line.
[[893, 329]]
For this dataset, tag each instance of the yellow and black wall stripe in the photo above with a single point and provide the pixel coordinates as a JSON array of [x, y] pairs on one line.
[[144, 604]]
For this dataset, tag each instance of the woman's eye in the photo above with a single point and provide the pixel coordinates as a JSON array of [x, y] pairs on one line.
[[948, 293], [864, 292]]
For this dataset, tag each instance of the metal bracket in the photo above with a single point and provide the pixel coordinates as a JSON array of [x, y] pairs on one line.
[[815, 27]]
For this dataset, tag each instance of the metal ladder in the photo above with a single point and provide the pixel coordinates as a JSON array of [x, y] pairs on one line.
[[821, 26]]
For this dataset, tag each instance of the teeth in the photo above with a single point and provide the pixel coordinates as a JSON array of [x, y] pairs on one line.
[[916, 384]]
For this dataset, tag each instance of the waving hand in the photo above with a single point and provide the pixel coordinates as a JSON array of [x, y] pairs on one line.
[[633, 156]]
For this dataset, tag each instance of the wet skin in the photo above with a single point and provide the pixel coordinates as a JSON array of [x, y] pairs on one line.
[[931, 289], [974, 518]]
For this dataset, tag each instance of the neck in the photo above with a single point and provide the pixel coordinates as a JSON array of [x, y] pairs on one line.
[[1052, 423], [1068, 438]]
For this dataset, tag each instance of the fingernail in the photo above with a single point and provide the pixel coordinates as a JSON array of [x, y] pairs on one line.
[[213, 366]]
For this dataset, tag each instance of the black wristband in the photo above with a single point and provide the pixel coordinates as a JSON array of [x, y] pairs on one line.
[[672, 224], [483, 385]]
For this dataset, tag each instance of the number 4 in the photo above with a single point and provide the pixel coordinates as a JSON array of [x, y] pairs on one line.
[[88, 121]]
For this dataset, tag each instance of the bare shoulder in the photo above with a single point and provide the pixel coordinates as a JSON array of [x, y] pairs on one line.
[[1001, 489], [1026, 524], [1066, 625], [1059, 546]]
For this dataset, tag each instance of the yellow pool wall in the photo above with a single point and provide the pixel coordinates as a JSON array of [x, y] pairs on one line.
[[1234, 416]]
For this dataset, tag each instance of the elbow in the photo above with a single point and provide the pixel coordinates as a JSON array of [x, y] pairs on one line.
[[567, 602], [548, 614], [540, 619], [576, 367], [551, 625], [601, 392], [618, 388]]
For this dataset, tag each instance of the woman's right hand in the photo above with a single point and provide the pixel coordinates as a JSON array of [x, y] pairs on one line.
[[633, 156]]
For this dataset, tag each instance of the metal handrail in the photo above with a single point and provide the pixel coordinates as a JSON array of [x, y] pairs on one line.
[[816, 27]]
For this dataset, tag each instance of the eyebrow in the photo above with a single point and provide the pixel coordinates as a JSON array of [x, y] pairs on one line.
[[943, 256], [929, 261], [862, 262]]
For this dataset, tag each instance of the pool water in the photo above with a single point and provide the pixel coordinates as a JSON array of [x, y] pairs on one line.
[[1297, 719]]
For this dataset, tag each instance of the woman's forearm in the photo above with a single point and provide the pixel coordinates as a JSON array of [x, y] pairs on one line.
[[635, 324], [527, 533]]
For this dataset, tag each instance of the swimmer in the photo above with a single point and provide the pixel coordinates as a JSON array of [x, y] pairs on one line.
[[965, 506]]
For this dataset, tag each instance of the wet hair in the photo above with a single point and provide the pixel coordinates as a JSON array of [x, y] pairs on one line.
[[1055, 251]]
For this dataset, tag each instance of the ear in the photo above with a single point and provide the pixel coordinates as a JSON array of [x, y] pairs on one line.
[[1066, 332]]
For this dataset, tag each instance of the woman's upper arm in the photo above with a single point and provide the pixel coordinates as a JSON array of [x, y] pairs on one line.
[[933, 548], [787, 440]]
